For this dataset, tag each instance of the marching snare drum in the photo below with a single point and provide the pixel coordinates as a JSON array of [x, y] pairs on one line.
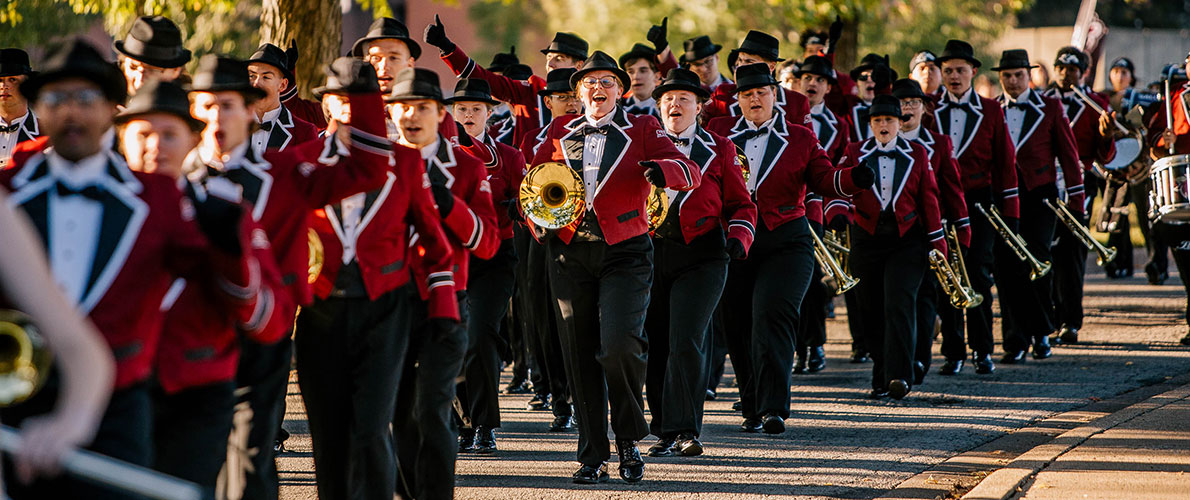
[[1170, 197], [1128, 150]]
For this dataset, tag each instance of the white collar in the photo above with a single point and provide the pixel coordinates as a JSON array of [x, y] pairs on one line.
[[86, 172], [18, 120], [602, 121], [430, 150], [885, 147], [768, 124], [965, 98], [272, 115], [207, 155], [1024, 97], [689, 132], [912, 135], [482, 138], [818, 108]]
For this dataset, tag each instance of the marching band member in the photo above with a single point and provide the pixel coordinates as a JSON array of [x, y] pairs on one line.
[[764, 292], [422, 422], [987, 161], [269, 71], [282, 188], [152, 50], [116, 272], [351, 342], [924, 70], [1164, 142], [601, 267], [304, 109], [701, 56], [950, 199], [491, 281], [873, 76], [17, 121], [896, 223], [1094, 137], [1039, 133], [641, 65], [690, 255], [757, 47]]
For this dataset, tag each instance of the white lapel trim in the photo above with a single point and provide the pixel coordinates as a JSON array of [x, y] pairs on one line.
[[622, 116]]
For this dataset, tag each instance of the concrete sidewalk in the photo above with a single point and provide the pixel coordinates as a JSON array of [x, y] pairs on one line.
[[1139, 452]]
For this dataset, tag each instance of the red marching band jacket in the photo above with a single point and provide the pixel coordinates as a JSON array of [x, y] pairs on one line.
[[1084, 123], [721, 195], [794, 106], [1045, 134], [381, 239], [985, 153], [506, 168], [833, 134], [915, 194], [622, 191], [148, 239], [528, 109], [793, 162], [950, 185], [470, 226]]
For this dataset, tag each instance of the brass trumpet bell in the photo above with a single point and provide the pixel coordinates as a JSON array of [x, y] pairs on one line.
[[24, 358], [658, 207], [553, 196]]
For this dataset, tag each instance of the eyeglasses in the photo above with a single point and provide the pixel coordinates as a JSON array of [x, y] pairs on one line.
[[606, 82], [562, 98], [863, 77], [84, 97], [910, 103]]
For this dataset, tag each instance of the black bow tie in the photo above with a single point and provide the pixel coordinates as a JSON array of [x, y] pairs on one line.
[[965, 106], [751, 133], [10, 128], [267, 126], [878, 154], [678, 141], [1015, 104], [93, 192], [588, 129]]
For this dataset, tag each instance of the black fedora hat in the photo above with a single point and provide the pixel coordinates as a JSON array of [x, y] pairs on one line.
[[761, 44], [1070, 56], [870, 62], [557, 81], [413, 84], [699, 47], [154, 40], [348, 75], [750, 76], [885, 105], [14, 62], [472, 90], [813, 37], [681, 79], [600, 61], [503, 60], [518, 71], [907, 88], [921, 57], [1014, 59], [817, 65], [157, 96], [386, 27], [272, 55], [958, 49], [639, 51], [569, 44], [77, 59], [220, 74]]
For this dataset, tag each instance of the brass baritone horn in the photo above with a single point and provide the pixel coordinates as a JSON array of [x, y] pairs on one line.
[[831, 267], [24, 358], [950, 281], [316, 255], [657, 207], [1105, 254], [1037, 268], [553, 196]]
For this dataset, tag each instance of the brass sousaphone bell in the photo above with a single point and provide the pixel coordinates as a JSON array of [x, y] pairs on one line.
[[553, 196]]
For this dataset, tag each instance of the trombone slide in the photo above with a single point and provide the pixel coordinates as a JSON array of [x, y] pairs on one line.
[[1014, 241], [1081, 232]]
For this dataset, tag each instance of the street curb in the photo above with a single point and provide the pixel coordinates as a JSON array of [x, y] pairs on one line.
[[1009, 481]]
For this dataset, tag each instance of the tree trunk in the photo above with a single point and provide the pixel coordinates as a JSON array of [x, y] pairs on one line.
[[847, 54], [317, 25]]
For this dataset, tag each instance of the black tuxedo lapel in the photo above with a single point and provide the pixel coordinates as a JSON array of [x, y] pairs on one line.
[[904, 163], [702, 153], [827, 129], [123, 216], [440, 164], [38, 211], [772, 152], [572, 145], [280, 136], [29, 129], [859, 119]]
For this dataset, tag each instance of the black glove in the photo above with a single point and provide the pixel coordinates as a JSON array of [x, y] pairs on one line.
[[653, 173], [292, 55], [219, 220], [443, 198], [440, 327], [1013, 223], [514, 209], [435, 35], [735, 249], [836, 32], [837, 223], [658, 34], [862, 176], [882, 76]]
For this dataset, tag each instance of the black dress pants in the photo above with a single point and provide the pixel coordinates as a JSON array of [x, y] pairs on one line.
[[542, 326], [349, 358], [812, 328], [929, 300], [190, 429], [978, 258], [687, 283], [1177, 238], [1025, 304], [263, 380], [603, 294], [489, 290], [761, 314], [890, 269]]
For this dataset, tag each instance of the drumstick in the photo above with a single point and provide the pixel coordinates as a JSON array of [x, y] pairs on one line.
[[112, 472], [1168, 114], [1099, 109]]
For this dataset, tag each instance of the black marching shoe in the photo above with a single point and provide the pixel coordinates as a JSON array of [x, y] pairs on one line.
[[687, 445], [919, 372], [859, 356], [984, 364], [817, 360], [517, 387], [632, 467], [1013, 357], [1156, 276], [540, 402], [1041, 348], [739, 405], [466, 440], [799, 365], [880, 393], [279, 442], [898, 389], [751, 424], [562, 424], [773, 424], [590, 474], [710, 395], [1186, 340], [663, 448], [485, 441], [951, 367], [1067, 335]]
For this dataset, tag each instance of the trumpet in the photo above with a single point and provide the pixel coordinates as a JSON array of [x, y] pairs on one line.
[[960, 265], [1105, 254], [314, 265], [959, 295], [657, 208], [552, 196], [835, 275], [1037, 268], [835, 244]]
